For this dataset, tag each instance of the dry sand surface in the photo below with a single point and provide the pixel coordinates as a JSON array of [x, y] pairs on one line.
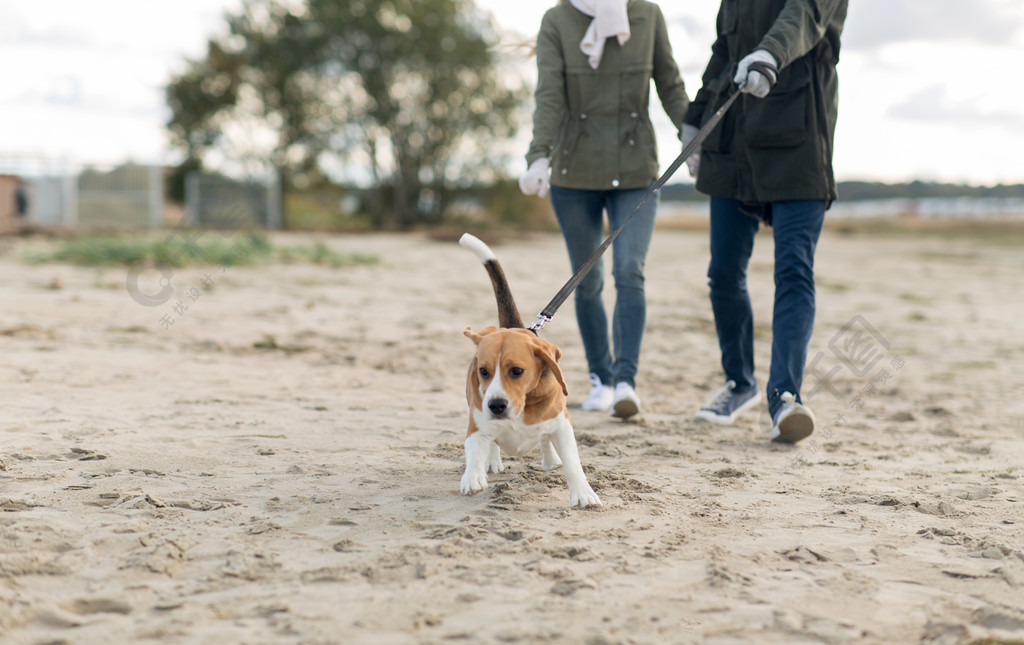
[[281, 464]]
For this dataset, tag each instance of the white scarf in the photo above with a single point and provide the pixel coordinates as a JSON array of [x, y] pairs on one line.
[[609, 20]]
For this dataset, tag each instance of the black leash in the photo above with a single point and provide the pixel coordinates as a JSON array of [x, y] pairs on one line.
[[549, 311]]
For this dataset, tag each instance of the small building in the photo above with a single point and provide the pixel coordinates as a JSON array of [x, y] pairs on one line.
[[13, 201]]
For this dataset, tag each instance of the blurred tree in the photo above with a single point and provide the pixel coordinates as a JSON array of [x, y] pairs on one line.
[[405, 96]]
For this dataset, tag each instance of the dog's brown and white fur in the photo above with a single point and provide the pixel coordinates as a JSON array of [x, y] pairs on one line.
[[517, 396]]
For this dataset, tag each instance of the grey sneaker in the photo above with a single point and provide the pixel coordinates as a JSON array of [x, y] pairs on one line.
[[726, 403], [793, 421]]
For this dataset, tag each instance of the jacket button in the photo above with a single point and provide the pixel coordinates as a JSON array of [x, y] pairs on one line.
[[583, 116], [633, 114], [565, 170], [630, 142], [615, 183]]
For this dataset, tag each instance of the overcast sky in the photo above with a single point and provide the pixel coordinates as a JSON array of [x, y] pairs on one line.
[[928, 88]]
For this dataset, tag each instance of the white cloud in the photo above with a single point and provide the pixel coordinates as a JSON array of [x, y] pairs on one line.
[[923, 85], [935, 104], [873, 23], [90, 76]]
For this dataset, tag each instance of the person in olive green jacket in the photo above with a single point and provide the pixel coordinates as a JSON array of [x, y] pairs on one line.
[[594, 147], [769, 160]]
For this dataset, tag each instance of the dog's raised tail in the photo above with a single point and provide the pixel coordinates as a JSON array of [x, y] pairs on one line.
[[508, 313]]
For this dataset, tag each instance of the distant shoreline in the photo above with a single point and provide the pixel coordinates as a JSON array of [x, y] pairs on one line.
[[924, 207]]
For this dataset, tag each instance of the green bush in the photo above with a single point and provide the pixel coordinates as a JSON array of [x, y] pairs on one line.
[[196, 247], [174, 251]]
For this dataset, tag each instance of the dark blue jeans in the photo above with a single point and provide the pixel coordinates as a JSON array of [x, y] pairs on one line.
[[580, 214], [796, 226]]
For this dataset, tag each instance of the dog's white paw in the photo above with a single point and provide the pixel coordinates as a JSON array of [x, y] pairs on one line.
[[494, 464], [584, 496], [473, 482]]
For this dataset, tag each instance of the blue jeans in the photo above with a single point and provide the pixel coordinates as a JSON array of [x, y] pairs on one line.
[[580, 214], [796, 226]]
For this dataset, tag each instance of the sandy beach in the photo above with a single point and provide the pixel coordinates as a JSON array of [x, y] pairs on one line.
[[273, 456]]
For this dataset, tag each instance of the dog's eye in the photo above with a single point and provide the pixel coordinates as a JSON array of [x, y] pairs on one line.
[[484, 373], [516, 372]]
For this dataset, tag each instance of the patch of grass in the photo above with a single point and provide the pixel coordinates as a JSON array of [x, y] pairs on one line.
[[1004, 232], [974, 365], [259, 436], [917, 298], [836, 287], [1004, 472], [320, 210], [947, 256], [685, 223], [321, 253], [197, 248], [170, 250]]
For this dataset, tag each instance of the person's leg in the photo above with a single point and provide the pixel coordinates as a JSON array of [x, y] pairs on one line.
[[580, 215], [733, 228], [629, 252], [796, 226]]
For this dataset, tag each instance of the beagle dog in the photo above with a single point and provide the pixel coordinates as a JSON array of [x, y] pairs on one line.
[[517, 396]]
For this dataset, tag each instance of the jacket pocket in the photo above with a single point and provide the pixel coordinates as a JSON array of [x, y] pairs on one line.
[[782, 119], [565, 145]]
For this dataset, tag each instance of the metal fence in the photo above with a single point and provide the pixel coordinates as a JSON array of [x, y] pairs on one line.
[[220, 202], [124, 197], [55, 193]]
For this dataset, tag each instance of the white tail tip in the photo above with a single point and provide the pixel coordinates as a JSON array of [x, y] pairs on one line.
[[476, 245]]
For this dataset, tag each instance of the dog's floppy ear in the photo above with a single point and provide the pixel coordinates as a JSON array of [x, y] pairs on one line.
[[476, 337], [473, 382], [550, 354]]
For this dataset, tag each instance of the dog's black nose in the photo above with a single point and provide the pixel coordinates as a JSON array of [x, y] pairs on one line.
[[497, 406]]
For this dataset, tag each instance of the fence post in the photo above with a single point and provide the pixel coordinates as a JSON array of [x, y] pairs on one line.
[[192, 198], [274, 215], [156, 196], [70, 214]]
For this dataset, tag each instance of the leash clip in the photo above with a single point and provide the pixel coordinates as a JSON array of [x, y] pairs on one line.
[[538, 324]]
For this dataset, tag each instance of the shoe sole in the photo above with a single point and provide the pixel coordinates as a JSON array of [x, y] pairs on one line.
[[625, 409], [793, 428], [703, 415]]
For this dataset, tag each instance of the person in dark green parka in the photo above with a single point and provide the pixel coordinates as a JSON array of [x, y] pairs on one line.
[[768, 161]]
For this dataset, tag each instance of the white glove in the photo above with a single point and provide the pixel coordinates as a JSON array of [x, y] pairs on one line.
[[753, 81], [693, 161], [536, 180]]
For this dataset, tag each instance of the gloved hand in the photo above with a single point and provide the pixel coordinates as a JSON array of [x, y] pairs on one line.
[[757, 81], [686, 136], [536, 180]]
